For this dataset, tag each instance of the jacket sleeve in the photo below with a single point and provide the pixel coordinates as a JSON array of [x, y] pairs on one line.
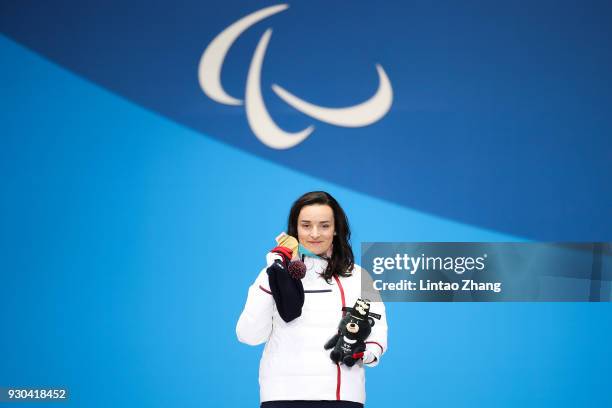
[[255, 323], [377, 340]]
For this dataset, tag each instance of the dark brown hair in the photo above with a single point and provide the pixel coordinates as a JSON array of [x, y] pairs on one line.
[[342, 260]]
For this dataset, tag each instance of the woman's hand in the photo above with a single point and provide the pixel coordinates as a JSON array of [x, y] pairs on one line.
[[271, 256], [368, 357]]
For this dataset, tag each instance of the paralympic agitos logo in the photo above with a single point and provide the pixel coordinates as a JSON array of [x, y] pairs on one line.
[[260, 121]]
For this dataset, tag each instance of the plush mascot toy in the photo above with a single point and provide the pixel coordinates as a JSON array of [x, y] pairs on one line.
[[349, 344]]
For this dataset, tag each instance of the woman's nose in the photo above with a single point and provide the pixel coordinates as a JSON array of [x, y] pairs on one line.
[[314, 232]]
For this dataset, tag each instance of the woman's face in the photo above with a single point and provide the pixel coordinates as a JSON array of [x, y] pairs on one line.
[[315, 227]]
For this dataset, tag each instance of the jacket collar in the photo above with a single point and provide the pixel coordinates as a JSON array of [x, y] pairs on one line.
[[314, 263], [303, 251]]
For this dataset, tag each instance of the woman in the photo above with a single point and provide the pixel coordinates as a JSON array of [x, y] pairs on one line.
[[295, 370]]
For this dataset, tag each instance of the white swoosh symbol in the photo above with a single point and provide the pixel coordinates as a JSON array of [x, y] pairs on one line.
[[209, 71], [264, 127], [259, 119], [363, 114]]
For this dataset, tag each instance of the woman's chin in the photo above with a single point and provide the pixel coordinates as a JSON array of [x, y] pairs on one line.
[[320, 252]]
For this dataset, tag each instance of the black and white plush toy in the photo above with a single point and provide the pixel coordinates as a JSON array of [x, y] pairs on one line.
[[349, 344]]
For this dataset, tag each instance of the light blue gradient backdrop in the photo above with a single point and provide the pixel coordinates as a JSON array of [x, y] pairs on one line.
[[127, 244]]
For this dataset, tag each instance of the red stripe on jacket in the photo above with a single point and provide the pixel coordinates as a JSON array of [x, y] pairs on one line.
[[341, 293], [339, 376]]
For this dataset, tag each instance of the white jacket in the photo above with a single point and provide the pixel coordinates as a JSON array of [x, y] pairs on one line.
[[294, 365]]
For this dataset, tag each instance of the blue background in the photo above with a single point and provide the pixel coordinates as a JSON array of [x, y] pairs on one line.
[[135, 211]]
